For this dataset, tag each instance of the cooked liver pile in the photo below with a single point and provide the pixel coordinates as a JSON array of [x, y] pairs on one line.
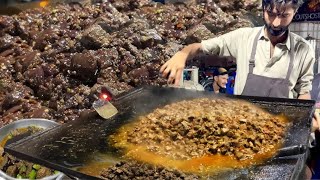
[[199, 127], [136, 170]]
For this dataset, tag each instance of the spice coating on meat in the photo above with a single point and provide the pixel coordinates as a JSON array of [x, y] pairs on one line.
[[137, 170]]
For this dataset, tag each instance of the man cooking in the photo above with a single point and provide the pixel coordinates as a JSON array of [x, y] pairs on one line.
[[271, 61]]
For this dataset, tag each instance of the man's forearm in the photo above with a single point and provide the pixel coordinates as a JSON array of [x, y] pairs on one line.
[[306, 96], [192, 50]]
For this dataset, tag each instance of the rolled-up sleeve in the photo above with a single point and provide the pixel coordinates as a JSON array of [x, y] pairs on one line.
[[304, 83], [224, 45]]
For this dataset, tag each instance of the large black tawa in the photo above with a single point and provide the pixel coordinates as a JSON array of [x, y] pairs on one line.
[[73, 145]]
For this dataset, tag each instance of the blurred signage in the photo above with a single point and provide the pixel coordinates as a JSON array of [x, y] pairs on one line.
[[309, 11]]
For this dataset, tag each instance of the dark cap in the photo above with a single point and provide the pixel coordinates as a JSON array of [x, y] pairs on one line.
[[220, 72]]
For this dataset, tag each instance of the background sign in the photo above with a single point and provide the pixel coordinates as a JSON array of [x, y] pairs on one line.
[[309, 11]]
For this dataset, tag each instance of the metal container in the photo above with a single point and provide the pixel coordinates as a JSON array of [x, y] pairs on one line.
[[23, 123]]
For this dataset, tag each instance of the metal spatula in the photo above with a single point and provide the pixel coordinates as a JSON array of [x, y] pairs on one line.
[[103, 106]]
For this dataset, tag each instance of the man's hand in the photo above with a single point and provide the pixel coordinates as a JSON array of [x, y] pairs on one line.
[[315, 122], [174, 68], [316, 118]]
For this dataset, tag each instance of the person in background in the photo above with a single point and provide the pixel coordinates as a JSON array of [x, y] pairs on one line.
[[220, 80]]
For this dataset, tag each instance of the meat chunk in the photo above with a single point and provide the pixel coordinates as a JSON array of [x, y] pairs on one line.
[[43, 172], [139, 170], [84, 65]]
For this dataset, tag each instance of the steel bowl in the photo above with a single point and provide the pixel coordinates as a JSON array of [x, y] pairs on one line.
[[23, 123]]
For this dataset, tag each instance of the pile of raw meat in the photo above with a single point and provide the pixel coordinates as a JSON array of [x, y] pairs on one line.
[[54, 60]]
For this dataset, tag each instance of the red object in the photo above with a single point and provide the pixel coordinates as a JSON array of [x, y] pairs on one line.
[[105, 96]]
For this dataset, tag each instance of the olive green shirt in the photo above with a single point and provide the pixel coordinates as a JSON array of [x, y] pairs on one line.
[[239, 44]]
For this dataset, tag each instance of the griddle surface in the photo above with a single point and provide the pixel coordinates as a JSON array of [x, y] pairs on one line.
[[74, 144]]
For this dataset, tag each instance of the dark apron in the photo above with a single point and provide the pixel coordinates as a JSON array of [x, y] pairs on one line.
[[257, 85]]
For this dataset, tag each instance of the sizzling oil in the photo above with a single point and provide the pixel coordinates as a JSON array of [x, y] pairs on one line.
[[203, 165], [4, 141], [94, 168], [9, 136]]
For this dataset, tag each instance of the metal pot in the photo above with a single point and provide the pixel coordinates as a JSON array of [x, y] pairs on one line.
[[41, 123]]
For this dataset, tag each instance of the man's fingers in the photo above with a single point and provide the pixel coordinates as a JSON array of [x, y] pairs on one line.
[[172, 71], [166, 72], [315, 125], [172, 76], [315, 122], [178, 77], [163, 67]]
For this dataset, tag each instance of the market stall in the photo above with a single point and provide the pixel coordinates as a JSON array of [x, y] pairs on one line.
[[56, 57]]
